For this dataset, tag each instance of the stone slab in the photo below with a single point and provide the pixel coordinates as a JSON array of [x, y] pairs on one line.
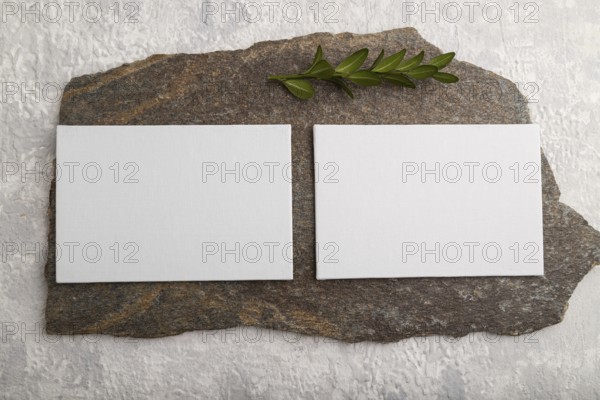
[[230, 87]]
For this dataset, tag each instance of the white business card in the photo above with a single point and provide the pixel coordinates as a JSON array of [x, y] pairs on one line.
[[173, 203], [398, 201]]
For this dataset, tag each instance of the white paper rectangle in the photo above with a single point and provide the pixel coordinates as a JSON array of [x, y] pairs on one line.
[[428, 200], [173, 203]]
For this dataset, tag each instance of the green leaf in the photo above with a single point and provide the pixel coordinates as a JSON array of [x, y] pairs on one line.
[[342, 84], [442, 60], [365, 78], [411, 63], [399, 79], [445, 77], [322, 70], [318, 57], [422, 72], [389, 63], [377, 60], [353, 62], [300, 88]]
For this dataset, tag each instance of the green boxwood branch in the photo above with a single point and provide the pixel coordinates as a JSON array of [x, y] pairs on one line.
[[393, 69]]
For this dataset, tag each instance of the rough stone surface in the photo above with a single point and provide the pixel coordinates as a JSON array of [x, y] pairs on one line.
[[230, 88]]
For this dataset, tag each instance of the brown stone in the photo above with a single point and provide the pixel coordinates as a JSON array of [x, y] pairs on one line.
[[230, 87]]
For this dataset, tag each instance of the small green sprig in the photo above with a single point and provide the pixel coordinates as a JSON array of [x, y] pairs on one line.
[[393, 69]]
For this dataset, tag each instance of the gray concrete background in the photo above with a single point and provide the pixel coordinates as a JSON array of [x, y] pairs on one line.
[[550, 49]]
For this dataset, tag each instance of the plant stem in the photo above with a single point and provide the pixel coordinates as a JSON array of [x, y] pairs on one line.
[[284, 77]]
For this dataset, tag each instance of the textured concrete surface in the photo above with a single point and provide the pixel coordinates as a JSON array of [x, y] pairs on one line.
[[153, 92], [554, 60]]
